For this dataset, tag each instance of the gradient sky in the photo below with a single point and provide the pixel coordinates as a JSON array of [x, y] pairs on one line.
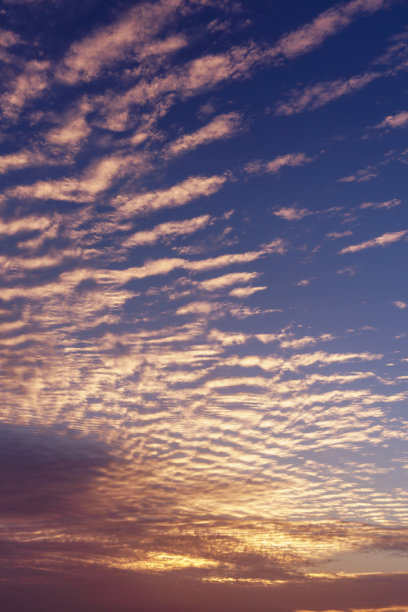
[[203, 306]]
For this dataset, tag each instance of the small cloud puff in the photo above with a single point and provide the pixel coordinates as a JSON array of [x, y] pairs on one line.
[[292, 213]]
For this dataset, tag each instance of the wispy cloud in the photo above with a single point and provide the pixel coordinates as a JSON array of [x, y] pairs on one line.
[[348, 270], [361, 176], [379, 241], [243, 292], [196, 76], [130, 36], [335, 235], [291, 160], [326, 24], [320, 94], [387, 204], [221, 127], [220, 282], [98, 177], [399, 120], [168, 230], [178, 195]]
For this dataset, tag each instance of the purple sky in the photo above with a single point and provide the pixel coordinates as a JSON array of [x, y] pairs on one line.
[[203, 306]]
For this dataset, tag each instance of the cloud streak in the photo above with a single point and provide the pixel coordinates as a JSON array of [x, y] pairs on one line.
[[320, 94], [328, 23], [221, 127], [380, 241], [178, 195]]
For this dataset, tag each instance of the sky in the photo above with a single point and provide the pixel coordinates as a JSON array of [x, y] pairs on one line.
[[203, 306]]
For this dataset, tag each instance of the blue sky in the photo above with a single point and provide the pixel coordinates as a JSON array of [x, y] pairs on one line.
[[203, 305]]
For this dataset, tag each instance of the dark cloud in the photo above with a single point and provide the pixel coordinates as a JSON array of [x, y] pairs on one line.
[[43, 472], [104, 591]]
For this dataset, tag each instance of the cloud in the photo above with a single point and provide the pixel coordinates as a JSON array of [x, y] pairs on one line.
[[29, 84], [399, 120], [400, 304], [111, 277], [183, 82], [297, 343], [328, 23], [73, 126], [20, 159], [178, 195], [320, 94], [200, 308], [348, 270], [299, 361], [387, 204], [292, 213], [46, 473], [220, 282], [291, 159], [361, 176], [168, 230], [26, 224], [9, 39], [206, 72], [164, 47], [106, 353], [379, 241], [130, 36], [335, 235], [98, 177], [133, 36], [243, 292], [221, 127]]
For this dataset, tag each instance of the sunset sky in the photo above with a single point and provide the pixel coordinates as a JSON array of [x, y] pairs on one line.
[[203, 306]]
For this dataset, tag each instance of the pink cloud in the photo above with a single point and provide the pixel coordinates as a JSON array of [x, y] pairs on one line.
[[379, 241], [315, 96], [223, 126], [387, 204], [29, 84], [132, 34], [398, 120], [291, 213], [327, 23]]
